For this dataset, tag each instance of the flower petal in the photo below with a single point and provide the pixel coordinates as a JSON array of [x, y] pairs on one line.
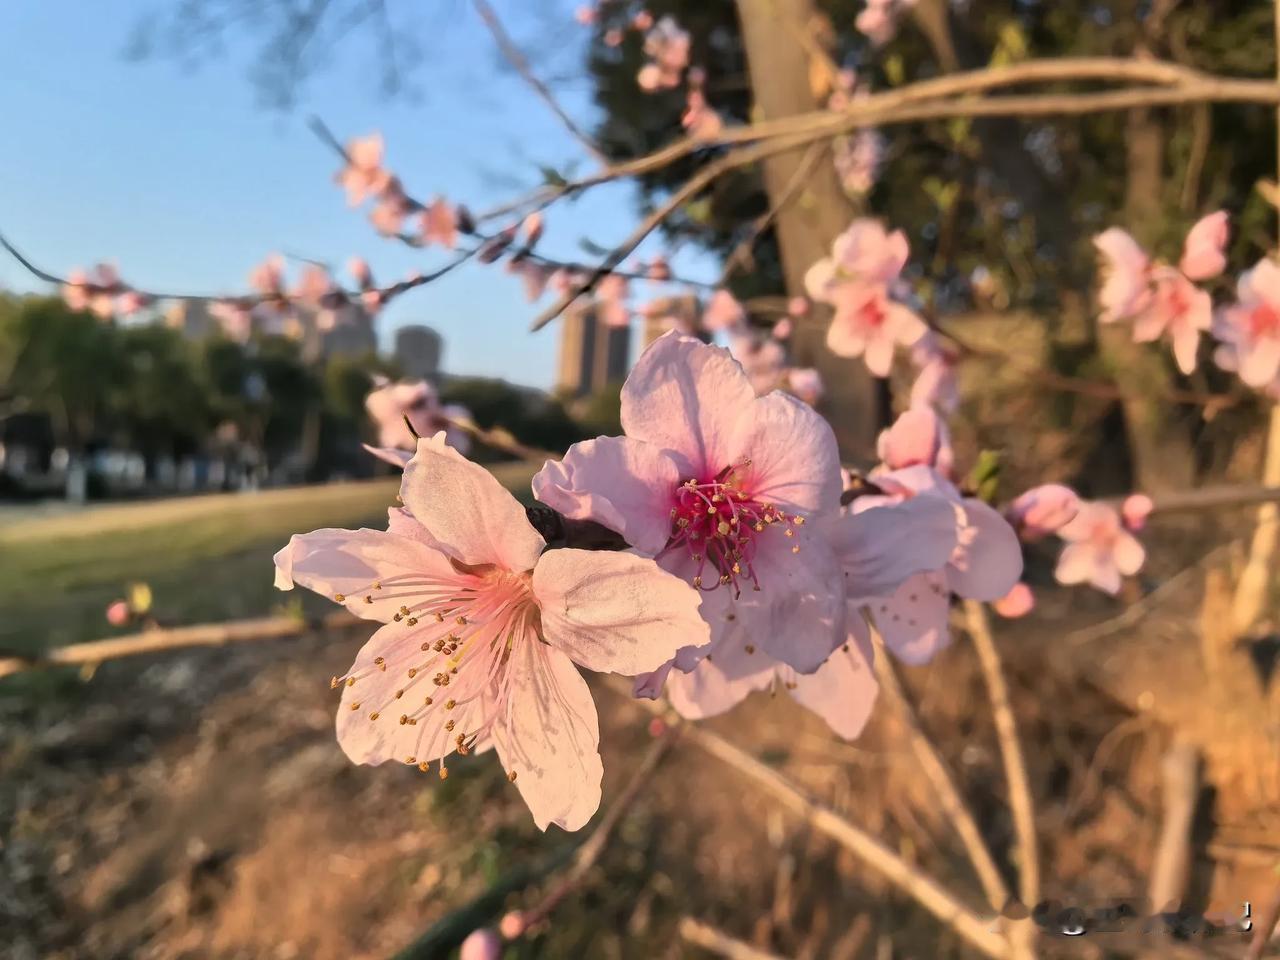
[[795, 463], [880, 548], [688, 397], [804, 597], [368, 722], [615, 612], [348, 563], [466, 510], [914, 621], [991, 561], [550, 737], [624, 484], [709, 692], [843, 690]]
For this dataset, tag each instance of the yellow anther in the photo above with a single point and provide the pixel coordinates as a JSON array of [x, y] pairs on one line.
[[356, 705], [413, 621], [462, 621], [368, 598], [424, 766], [796, 548], [404, 718], [750, 648], [399, 694], [339, 597], [444, 774], [413, 672], [512, 776], [351, 681], [789, 532], [451, 704], [449, 726], [722, 528], [428, 701], [374, 715]]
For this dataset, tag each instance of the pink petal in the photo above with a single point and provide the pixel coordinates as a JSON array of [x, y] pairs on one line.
[[466, 510], [1259, 361], [819, 279], [913, 622], [723, 311], [708, 692], [1077, 563], [882, 547], [917, 436], [795, 463], [878, 355], [843, 690], [550, 737], [1128, 554], [991, 562], [1202, 253], [615, 612], [1018, 602], [1091, 520], [347, 564], [1186, 344], [904, 324], [688, 397], [1135, 509], [1044, 510], [369, 739], [622, 483], [392, 455], [805, 600], [1124, 271]]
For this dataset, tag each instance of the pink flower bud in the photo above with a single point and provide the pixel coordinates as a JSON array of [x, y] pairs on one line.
[[650, 77], [1018, 602], [512, 925], [481, 945], [585, 15], [1135, 510], [613, 37], [118, 613], [783, 329], [642, 20], [798, 306], [1043, 510], [657, 727]]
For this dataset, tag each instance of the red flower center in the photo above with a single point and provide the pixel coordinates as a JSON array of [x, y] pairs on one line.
[[720, 523]]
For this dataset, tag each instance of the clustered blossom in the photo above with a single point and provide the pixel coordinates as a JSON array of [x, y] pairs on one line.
[[364, 177], [1249, 329], [405, 411], [483, 631], [667, 47], [101, 292], [880, 19], [1160, 299], [857, 156], [1101, 548], [859, 280]]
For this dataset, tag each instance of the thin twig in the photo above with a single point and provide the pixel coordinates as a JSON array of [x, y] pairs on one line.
[[590, 851], [520, 62], [1180, 775], [919, 886], [160, 641], [1020, 801], [709, 938], [945, 789]]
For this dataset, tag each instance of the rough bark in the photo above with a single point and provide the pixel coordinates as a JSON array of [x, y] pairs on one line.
[[778, 64]]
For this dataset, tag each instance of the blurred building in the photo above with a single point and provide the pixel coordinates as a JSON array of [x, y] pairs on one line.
[[418, 352], [591, 354]]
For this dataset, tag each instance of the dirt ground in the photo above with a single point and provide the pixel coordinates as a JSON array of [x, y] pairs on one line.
[[196, 805]]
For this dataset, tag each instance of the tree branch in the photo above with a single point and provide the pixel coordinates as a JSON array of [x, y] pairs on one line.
[[709, 938]]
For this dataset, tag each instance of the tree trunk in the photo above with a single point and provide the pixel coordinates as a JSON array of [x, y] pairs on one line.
[[778, 63]]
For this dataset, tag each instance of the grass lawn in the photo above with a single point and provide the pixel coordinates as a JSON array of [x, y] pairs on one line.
[[206, 558]]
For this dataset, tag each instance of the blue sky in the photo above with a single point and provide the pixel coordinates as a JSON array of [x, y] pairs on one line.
[[186, 181]]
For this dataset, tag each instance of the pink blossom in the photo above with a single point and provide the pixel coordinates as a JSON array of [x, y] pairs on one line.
[[879, 20], [1134, 511], [482, 630], [763, 360], [267, 278], [667, 47], [363, 175], [797, 307], [1099, 550], [1018, 602], [870, 325], [642, 20], [659, 269], [315, 285], [935, 384], [439, 224], [1250, 328], [360, 272], [858, 159], [732, 493], [532, 227], [1043, 510], [649, 78], [864, 254], [481, 945], [94, 292], [611, 296], [723, 312], [699, 119], [392, 208], [1203, 252], [613, 37], [1175, 308], [585, 15], [118, 613], [842, 690], [805, 383], [512, 925], [918, 437], [985, 563], [390, 405], [234, 317], [130, 302], [1125, 288], [782, 330], [535, 277]]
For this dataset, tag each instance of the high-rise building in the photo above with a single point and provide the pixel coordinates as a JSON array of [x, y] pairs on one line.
[[418, 352], [591, 354]]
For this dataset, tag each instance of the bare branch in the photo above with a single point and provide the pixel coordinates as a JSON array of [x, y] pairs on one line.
[[709, 938], [520, 62], [179, 638]]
